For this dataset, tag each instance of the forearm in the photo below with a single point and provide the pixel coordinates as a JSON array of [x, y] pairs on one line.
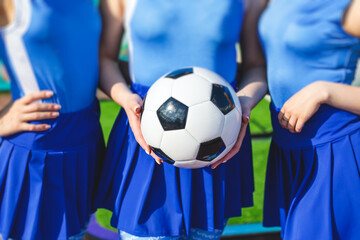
[[112, 81], [342, 96], [253, 86]]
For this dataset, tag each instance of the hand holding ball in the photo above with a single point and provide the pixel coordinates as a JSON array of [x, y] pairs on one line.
[[191, 117]]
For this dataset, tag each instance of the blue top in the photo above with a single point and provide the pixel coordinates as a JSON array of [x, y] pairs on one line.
[[166, 35], [53, 45], [304, 42]]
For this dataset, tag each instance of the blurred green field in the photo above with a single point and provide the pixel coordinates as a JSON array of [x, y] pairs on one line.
[[259, 123]]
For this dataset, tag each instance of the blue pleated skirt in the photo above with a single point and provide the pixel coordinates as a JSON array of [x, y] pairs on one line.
[[148, 199], [47, 178], [312, 185]]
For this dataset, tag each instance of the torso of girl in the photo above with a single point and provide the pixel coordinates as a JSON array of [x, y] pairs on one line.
[[304, 42], [164, 36], [40, 48]]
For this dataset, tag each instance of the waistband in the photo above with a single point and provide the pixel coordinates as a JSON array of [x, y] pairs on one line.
[[141, 90], [326, 125], [68, 131]]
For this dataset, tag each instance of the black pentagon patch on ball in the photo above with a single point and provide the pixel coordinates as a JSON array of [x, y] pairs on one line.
[[222, 98], [172, 114], [211, 149], [161, 154], [179, 73]]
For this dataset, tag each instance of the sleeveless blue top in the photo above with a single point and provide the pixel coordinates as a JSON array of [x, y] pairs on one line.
[[167, 35], [40, 49], [302, 47]]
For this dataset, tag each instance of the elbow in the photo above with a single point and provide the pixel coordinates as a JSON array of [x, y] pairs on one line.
[[352, 30]]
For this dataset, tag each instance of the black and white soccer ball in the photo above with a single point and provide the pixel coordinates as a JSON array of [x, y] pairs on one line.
[[191, 117]]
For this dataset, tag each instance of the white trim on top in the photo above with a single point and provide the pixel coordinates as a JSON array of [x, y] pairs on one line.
[[16, 50], [130, 9]]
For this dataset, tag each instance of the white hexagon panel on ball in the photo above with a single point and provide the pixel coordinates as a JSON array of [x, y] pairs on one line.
[[205, 121], [179, 145], [211, 76], [158, 93], [191, 89], [231, 127], [151, 128]]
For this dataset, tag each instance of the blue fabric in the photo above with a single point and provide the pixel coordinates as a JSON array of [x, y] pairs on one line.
[[312, 185], [161, 200], [304, 42], [47, 178], [165, 36], [313, 178], [61, 43]]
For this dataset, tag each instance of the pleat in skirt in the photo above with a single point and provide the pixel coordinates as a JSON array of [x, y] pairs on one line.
[[313, 178], [148, 199], [47, 178]]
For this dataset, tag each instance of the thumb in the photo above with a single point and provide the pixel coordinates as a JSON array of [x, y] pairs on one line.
[[245, 118], [138, 109]]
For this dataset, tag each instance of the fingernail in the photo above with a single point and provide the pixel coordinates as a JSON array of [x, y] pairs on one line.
[[147, 152], [57, 107], [138, 109], [49, 93], [247, 119], [55, 114], [47, 126]]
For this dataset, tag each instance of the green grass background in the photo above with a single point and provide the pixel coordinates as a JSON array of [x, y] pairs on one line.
[[259, 123]]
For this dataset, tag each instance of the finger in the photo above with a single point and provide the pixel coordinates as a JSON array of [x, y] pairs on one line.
[[158, 160], [291, 124], [280, 116], [134, 121], [299, 125], [242, 133], [138, 110], [237, 145], [38, 107], [34, 127], [29, 98], [284, 120], [227, 156], [245, 118], [216, 164], [141, 141], [39, 116]]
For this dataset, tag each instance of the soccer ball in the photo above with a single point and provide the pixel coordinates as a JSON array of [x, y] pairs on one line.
[[191, 117]]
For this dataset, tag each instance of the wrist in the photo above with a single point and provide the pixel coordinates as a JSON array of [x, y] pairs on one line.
[[322, 91], [245, 100], [131, 101], [121, 94]]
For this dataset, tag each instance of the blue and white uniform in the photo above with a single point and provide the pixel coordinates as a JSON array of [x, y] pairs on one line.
[[313, 181], [47, 178], [152, 200]]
